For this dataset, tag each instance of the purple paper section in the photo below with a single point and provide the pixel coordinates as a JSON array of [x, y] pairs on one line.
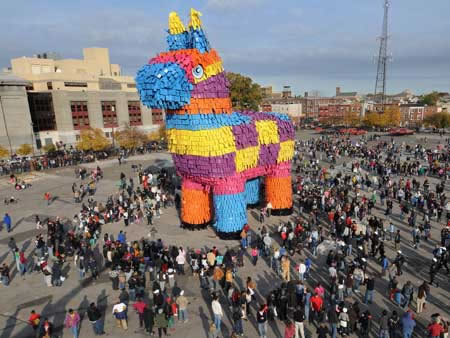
[[285, 130], [214, 166], [268, 154], [214, 87], [245, 135]]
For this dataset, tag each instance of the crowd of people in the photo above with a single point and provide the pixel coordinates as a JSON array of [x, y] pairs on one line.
[[360, 216]]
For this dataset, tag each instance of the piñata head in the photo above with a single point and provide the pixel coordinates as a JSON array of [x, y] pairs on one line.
[[189, 78]]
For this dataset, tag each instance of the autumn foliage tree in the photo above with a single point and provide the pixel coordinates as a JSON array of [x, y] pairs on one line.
[[245, 95], [391, 117], [158, 135], [438, 120], [92, 139], [130, 137], [3, 152], [24, 149]]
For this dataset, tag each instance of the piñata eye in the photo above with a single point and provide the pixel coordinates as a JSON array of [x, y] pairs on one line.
[[198, 72]]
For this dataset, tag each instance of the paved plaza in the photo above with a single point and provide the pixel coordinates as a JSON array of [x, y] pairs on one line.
[[31, 292]]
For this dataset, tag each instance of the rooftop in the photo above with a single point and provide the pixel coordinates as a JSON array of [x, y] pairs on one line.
[[9, 79]]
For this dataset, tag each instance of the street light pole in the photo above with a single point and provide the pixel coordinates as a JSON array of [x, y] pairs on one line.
[[6, 126]]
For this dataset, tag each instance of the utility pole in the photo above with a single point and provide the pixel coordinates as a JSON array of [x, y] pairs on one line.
[[383, 58], [6, 126]]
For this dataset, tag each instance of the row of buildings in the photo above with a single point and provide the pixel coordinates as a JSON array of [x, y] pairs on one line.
[[312, 106], [45, 99]]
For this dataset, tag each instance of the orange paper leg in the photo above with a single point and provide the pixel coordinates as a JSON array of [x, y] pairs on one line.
[[279, 194], [196, 205]]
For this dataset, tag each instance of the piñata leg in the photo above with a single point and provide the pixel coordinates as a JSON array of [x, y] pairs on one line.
[[196, 205], [279, 190], [230, 209], [252, 192]]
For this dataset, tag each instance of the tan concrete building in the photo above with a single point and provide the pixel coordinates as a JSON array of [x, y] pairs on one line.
[[15, 120], [67, 95]]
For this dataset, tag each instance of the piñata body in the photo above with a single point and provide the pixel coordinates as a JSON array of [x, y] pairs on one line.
[[223, 157]]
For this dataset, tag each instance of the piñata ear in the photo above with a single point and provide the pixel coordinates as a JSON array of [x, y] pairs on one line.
[[197, 35], [178, 37]]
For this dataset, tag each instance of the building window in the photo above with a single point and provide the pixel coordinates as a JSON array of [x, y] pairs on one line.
[[134, 112], [80, 114], [109, 114], [131, 85], [49, 86], [42, 111], [75, 84], [157, 116], [29, 86]]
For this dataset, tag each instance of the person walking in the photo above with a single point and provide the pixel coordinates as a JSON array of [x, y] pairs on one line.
[[289, 330], [7, 222], [95, 317], [46, 329], [422, 293], [72, 322], [217, 311]]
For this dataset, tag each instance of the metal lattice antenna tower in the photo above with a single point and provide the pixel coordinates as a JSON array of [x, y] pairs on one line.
[[380, 84]]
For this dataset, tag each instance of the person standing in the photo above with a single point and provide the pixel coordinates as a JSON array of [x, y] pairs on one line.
[[182, 303], [72, 322], [140, 307], [149, 320], [261, 318], [370, 289], [47, 197], [384, 325], [217, 311], [7, 222], [299, 317], [408, 324], [285, 268], [34, 320], [120, 313], [422, 293], [289, 330], [95, 317], [46, 329], [161, 322]]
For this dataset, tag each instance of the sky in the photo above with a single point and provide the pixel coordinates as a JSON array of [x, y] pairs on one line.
[[307, 44]]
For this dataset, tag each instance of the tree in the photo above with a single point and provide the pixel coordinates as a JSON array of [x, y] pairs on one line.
[[24, 149], [49, 148], [393, 115], [430, 99], [438, 120], [3, 152], [130, 137], [92, 139], [351, 119], [245, 95], [158, 135]]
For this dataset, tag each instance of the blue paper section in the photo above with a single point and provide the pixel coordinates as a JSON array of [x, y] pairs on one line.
[[231, 212], [205, 121], [199, 40], [163, 86], [283, 117], [252, 191], [179, 41]]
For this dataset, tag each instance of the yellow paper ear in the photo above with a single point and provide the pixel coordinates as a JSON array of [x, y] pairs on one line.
[[176, 26], [195, 21]]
